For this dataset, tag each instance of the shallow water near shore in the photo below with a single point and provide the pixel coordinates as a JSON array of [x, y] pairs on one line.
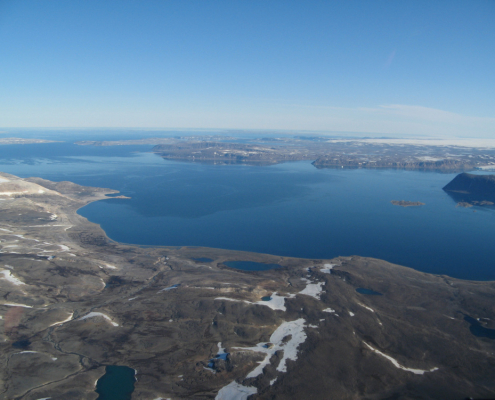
[[290, 209]]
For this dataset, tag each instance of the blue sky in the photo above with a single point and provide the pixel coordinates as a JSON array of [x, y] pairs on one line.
[[389, 67]]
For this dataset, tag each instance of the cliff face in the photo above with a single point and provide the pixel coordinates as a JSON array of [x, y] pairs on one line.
[[469, 187]]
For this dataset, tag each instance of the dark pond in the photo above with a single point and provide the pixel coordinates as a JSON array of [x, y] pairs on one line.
[[203, 259], [251, 265], [116, 384], [479, 330], [368, 291], [266, 298], [221, 356], [21, 344]]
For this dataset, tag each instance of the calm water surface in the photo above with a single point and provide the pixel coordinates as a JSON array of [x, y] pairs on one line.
[[289, 209]]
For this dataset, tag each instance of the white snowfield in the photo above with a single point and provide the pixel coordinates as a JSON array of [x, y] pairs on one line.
[[312, 289], [168, 288], [230, 299], [397, 365], [64, 321], [370, 309], [16, 305], [295, 329], [328, 268], [12, 193], [235, 391], [221, 350], [488, 167], [275, 303], [98, 314], [7, 275]]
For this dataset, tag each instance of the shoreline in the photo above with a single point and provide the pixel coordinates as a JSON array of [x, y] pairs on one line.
[[79, 300]]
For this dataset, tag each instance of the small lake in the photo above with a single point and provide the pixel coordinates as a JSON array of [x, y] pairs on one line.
[[479, 330], [290, 209], [116, 384]]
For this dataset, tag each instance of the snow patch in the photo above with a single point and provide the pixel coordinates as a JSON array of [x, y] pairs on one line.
[[312, 289], [276, 302], [396, 363], [294, 329], [169, 288], [235, 391], [362, 305], [16, 305], [329, 310], [7, 275], [64, 321], [328, 268], [98, 314]]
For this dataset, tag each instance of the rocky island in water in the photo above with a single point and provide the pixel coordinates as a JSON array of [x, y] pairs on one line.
[[73, 303], [405, 203]]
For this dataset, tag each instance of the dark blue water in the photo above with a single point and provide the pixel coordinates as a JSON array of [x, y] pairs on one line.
[[116, 384], [251, 265], [368, 292], [289, 209], [479, 330]]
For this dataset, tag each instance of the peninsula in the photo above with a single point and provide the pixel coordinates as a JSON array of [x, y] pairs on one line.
[[324, 152], [14, 140]]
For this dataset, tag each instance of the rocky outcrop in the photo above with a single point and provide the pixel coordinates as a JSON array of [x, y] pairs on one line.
[[470, 188]]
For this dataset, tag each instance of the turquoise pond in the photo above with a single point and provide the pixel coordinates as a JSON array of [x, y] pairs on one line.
[[290, 209]]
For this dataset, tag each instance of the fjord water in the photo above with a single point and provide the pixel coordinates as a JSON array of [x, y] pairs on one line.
[[290, 209]]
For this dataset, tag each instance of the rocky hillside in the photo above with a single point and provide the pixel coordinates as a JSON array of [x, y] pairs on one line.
[[473, 187]]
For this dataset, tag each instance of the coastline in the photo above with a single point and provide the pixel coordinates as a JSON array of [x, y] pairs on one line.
[[88, 301]]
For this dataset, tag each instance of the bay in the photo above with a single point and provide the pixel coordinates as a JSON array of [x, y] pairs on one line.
[[290, 209]]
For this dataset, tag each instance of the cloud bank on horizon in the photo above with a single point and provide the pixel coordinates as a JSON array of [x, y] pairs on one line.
[[418, 68]]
